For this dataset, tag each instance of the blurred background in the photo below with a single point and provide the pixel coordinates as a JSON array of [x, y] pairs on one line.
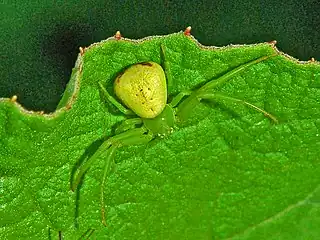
[[40, 40]]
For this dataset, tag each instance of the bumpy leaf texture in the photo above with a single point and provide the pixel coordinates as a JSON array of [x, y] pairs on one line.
[[227, 173]]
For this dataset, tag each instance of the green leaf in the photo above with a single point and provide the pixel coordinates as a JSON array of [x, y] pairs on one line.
[[228, 172]]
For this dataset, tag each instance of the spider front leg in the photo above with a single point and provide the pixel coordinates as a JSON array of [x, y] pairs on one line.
[[128, 124], [131, 137], [205, 92], [115, 140], [213, 96], [86, 235], [140, 138], [177, 99], [114, 102], [166, 67]]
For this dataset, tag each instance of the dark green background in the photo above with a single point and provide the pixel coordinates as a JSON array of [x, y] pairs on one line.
[[40, 40]]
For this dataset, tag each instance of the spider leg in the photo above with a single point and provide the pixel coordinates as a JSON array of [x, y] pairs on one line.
[[128, 124], [104, 147], [166, 67], [187, 105], [114, 102], [131, 137], [139, 138], [84, 236], [221, 80], [212, 96], [110, 154], [177, 99]]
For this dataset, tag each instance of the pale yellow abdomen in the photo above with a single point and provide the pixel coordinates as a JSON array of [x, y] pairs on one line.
[[142, 88]]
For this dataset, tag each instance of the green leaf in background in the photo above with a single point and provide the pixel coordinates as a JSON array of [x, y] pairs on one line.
[[228, 173]]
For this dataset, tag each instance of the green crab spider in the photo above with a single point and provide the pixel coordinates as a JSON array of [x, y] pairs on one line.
[[142, 87]]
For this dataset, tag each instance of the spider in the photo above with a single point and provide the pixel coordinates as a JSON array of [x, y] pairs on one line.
[[142, 88]]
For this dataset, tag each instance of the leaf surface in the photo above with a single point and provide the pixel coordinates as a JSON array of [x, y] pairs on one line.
[[227, 172]]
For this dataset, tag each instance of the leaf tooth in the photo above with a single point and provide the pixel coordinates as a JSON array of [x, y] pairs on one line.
[[82, 50], [187, 31], [273, 42], [312, 60], [117, 35], [14, 98]]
